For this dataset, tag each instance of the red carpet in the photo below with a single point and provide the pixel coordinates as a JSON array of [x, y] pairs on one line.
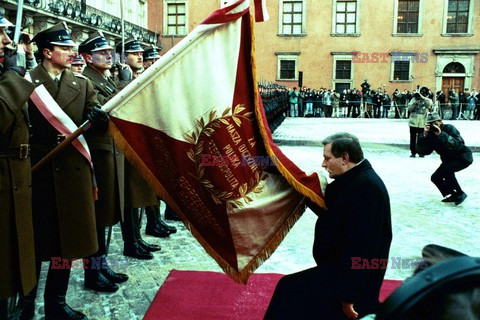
[[195, 295]]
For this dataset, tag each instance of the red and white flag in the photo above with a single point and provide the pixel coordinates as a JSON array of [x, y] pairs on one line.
[[194, 125]]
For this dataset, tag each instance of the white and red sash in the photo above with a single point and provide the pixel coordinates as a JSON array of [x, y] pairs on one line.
[[52, 112]]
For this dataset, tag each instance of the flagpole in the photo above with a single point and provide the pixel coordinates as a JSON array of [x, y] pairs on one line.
[[54, 152], [18, 22], [122, 14]]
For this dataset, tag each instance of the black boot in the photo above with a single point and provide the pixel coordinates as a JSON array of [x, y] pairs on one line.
[[155, 213], [134, 250], [170, 214], [111, 275], [57, 309], [56, 288], [148, 246], [25, 309], [95, 280], [154, 227]]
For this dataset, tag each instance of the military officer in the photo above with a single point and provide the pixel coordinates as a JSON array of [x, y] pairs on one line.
[[109, 163], [138, 194], [63, 189], [150, 56], [17, 267], [156, 227]]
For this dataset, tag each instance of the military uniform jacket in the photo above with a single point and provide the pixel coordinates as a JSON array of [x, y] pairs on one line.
[[63, 201], [17, 256], [107, 160]]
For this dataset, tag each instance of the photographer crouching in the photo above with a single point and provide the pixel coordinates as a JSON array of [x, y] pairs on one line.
[[446, 140]]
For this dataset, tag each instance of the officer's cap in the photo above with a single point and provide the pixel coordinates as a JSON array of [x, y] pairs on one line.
[[4, 23], [151, 53], [131, 45], [433, 116], [56, 35], [95, 42], [78, 59]]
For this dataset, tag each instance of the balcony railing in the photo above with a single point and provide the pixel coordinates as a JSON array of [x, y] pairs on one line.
[[81, 15]]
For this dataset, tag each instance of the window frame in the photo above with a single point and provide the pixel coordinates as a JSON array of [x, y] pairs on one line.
[[334, 20], [342, 56], [470, 23], [280, 19], [166, 3], [410, 68], [290, 56], [420, 21]]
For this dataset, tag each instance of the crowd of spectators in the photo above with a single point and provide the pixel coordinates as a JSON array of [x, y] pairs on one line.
[[377, 103]]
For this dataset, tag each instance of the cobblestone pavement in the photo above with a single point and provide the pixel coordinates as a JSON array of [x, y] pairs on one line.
[[418, 217]]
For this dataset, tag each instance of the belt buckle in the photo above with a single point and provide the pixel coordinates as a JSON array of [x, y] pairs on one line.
[[60, 138], [23, 151]]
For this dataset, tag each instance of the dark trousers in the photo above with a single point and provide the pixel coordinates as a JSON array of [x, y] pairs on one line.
[[305, 295], [444, 176], [414, 134]]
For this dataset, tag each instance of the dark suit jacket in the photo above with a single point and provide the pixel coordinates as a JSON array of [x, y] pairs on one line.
[[449, 145], [356, 225]]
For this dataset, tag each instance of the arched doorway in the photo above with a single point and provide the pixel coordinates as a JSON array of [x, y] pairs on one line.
[[453, 77]]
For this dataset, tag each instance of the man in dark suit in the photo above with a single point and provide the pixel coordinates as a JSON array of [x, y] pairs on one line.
[[108, 163], [446, 140], [352, 238], [63, 190], [17, 256]]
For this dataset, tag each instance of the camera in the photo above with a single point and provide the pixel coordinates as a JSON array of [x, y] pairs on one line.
[[433, 129], [416, 95]]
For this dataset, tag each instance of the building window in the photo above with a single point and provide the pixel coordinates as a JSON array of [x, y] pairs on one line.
[[457, 16], [287, 67], [343, 69], [401, 70], [346, 17], [408, 15], [176, 18], [292, 17]]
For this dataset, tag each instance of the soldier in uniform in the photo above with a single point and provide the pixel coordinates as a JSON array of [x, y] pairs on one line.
[[138, 194], [17, 267], [107, 161], [156, 227], [63, 189]]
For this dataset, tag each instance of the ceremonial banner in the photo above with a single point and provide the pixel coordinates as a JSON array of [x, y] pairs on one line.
[[193, 124]]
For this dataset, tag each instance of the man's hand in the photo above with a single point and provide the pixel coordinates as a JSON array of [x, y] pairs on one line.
[[125, 72], [431, 127], [99, 119], [24, 41], [14, 61], [349, 311]]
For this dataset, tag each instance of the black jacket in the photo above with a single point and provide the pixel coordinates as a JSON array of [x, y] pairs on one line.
[[356, 225], [449, 145]]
